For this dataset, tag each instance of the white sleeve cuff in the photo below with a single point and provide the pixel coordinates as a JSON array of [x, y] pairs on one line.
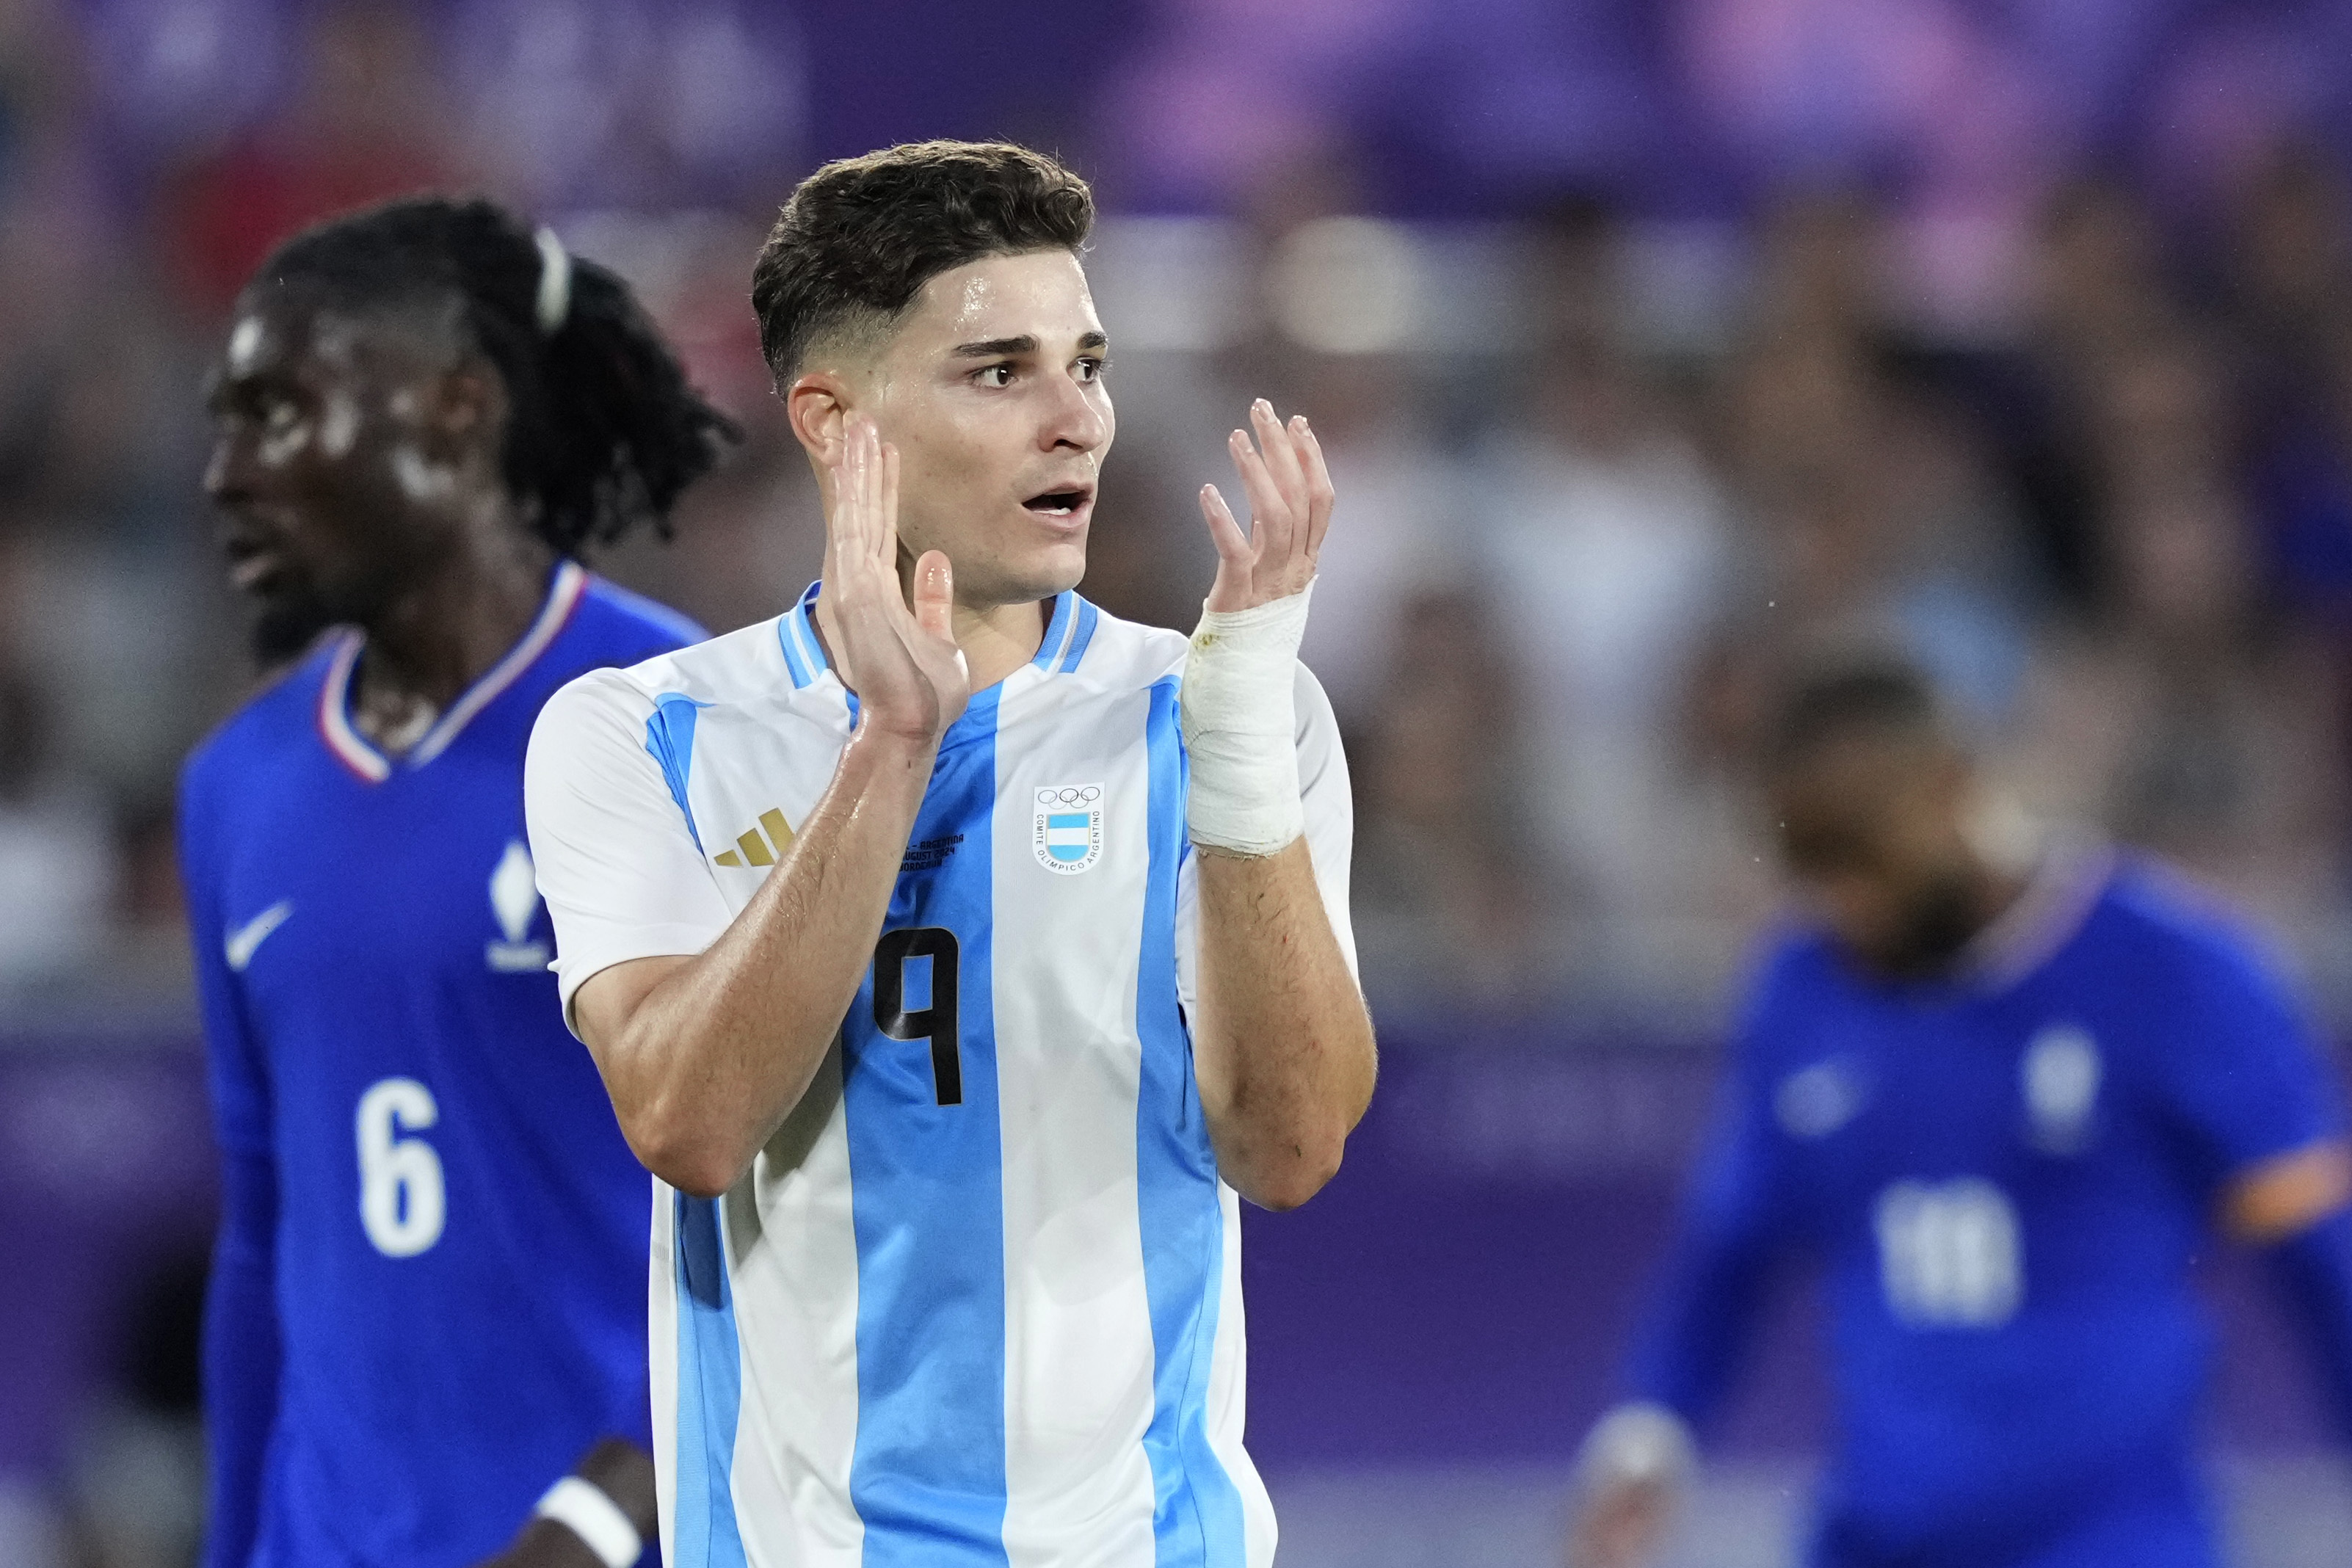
[[1640, 1442], [583, 1507]]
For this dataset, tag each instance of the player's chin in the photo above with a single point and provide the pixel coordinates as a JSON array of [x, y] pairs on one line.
[[1053, 566]]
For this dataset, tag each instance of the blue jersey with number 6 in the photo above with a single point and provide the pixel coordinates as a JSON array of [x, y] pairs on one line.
[[448, 1232], [2004, 1178]]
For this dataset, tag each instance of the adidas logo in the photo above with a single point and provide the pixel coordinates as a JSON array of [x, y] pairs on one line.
[[754, 848]]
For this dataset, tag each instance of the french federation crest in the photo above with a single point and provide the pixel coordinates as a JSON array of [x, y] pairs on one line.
[[1068, 834]]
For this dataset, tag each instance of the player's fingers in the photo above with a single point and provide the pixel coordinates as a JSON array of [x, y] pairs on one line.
[[1320, 496], [1236, 560], [853, 543], [869, 488], [836, 519], [935, 595], [844, 535], [885, 504], [875, 544], [1224, 532], [1270, 527], [1276, 439]]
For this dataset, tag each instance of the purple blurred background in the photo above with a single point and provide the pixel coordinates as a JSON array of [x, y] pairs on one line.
[[1651, 340]]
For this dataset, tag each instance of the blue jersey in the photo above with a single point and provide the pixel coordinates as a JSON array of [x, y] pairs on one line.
[[2003, 1177], [459, 1242]]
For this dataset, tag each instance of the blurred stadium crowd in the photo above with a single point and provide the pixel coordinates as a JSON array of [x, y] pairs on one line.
[[1653, 345], [2018, 334]]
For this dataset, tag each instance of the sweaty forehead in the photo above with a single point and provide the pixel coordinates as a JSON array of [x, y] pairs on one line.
[[1040, 293], [316, 338]]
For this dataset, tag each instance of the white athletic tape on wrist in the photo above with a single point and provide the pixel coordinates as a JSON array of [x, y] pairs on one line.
[[1241, 727], [583, 1507], [1636, 1443]]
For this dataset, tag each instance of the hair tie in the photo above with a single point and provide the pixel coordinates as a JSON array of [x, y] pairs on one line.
[[554, 282]]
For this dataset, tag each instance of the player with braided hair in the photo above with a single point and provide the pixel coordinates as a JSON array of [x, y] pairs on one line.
[[428, 1301]]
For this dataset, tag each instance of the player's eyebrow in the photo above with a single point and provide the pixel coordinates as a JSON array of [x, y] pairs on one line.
[[1026, 343], [994, 348]]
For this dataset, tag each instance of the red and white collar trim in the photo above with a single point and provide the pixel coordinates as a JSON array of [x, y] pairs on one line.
[[354, 753]]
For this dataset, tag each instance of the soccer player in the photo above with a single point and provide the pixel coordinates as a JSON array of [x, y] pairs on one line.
[[428, 1298], [2000, 1097], [951, 973]]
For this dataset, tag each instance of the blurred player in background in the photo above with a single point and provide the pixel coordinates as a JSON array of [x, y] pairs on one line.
[[2002, 1093], [429, 1296], [952, 982]]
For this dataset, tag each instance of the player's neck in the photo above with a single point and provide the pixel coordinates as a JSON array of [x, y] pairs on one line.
[[997, 640], [444, 632]]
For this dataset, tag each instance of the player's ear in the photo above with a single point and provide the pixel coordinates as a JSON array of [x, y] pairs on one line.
[[817, 406]]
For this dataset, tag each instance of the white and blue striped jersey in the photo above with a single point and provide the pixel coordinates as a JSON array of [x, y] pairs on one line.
[[978, 1298]]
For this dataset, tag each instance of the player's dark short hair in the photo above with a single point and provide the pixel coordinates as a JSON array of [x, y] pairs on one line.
[[604, 432], [1870, 695], [860, 237]]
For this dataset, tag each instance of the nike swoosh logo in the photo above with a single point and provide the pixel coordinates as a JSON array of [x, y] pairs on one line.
[[246, 939]]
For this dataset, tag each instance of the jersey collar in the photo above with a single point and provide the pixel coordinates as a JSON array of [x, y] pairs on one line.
[[353, 748], [2058, 898], [1068, 634], [805, 657]]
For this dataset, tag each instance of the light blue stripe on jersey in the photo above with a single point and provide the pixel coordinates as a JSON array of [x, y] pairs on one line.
[[669, 736], [1197, 1512], [1087, 616], [796, 636], [927, 1476], [709, 1391], [1057, 630], [792, 664]]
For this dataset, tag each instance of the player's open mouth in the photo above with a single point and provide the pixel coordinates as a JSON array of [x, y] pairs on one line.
[[1062, 503], [251, 565]]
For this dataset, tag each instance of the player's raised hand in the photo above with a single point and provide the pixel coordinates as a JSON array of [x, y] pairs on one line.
[[901, 661], [1289, 492], [1619, 1524]]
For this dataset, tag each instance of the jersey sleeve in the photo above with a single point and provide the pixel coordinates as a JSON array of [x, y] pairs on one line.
[[1331, 813], [1709, 1295], [611, 837], [235, 1070], [2240, 1069], [241, 1352]]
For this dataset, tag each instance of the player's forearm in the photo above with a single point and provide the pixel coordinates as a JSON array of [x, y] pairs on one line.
[[716, 1056], [566, 1531], [1283, 1043], [2313, 1269]]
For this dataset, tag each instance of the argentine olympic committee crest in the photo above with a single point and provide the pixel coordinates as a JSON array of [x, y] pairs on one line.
[[1069, 831]]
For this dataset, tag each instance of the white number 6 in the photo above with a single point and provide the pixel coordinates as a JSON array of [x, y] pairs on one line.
[[402, 1200]]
